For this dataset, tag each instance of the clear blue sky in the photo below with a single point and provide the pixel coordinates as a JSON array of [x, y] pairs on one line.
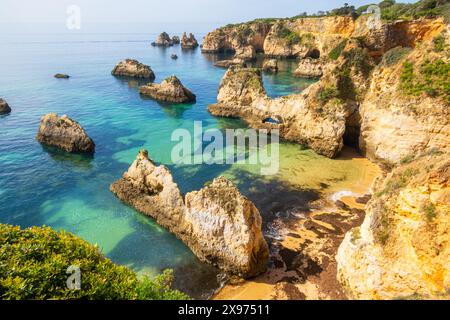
[[33, 13]]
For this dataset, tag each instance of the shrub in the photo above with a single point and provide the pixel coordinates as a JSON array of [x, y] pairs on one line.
[[439, 43], [393, 56], [327, 93], [433, 79], [288, 35], [34, 263], [336, 52], [430, 211]]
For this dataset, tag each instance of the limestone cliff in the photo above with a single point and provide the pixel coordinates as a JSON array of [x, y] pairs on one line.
[[402, 249], [169, 90], [217, 223], [133, 68]]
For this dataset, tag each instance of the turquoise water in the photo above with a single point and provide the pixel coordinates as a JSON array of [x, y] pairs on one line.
[[44, 186]]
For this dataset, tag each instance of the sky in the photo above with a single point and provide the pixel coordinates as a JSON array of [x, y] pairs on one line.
[[36, 14]]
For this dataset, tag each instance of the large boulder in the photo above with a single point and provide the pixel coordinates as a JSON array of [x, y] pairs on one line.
[[402, 249], [163, 40], [188, 42], [61, 76], [64, 133], [270, 65], [176, 40], [230, 62], [133, 68], [247, 53], [309, 68], [217, 223], [170, 90], [4, 107]]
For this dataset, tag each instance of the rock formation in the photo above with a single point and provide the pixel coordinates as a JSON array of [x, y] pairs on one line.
[[221, 226], [64, 133], [402, 249], [270, 65], [163, 40], [173, 56], [4, 107], [62, 76], [134, 69], [309, 68], [175, 40], [241, 94], [188, 42], [230, 62], [247, 53], [170, 90]]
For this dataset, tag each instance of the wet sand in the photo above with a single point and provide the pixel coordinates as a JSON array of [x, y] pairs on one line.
[[304, 236]]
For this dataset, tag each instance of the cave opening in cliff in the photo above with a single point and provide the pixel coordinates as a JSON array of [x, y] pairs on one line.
[[314, 54]]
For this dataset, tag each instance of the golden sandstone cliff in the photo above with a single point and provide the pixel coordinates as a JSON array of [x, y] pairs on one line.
[[402, 249], [217, 223], [385, 91]]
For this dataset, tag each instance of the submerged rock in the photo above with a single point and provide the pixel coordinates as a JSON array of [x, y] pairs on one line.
[[62, 76], [402, 249], [4, 107], [163, 40], [270, 65], [176, 40], [64, 133], [188, 42], [231, 62], [170, 90], [133, 68], [309, 68], [217, 223]]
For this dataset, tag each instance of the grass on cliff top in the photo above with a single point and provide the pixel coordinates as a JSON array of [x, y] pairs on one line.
[[432, 79], [392, 11], [34, 263]]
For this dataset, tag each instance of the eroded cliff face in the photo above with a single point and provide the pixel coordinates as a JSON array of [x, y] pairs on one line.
[[217, 223], [396, 123], [402, 249]]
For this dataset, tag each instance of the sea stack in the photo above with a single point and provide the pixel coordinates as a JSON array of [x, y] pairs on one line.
[[4, 107], [133, 68], [163, 40], [217, 223], [176, 40], [64, 133], [170, 90], [309, 68], [188, 42]]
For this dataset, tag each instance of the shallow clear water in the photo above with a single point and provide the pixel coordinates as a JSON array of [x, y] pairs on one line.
[[44, 186]]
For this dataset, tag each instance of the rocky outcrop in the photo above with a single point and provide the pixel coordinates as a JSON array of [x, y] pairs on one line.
[[230, 62], [4, 107], [61, 76], [170, 90], [245, 53], [402, 249], [173, 56], [163, 40], [134, 69], [300, 118], [309, 68], [176, 40], [221, 226], [64, 133], [270, 65], [395, 123], [232, 37], [188, 42]]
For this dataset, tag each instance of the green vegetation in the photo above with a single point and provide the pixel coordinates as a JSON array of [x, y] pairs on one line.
[[398, 181], [288, 35], [336, 52], [383, 230], [34, 263], [439, 43], [425, 8], [326, 94], [393, 56], [430, 211], [355, 234], [432, 79]]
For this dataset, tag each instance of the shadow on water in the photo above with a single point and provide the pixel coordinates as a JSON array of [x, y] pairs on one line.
[[132, 83], [79, 160]]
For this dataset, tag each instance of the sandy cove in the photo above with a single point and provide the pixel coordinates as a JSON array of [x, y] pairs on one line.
[[302, 264]]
